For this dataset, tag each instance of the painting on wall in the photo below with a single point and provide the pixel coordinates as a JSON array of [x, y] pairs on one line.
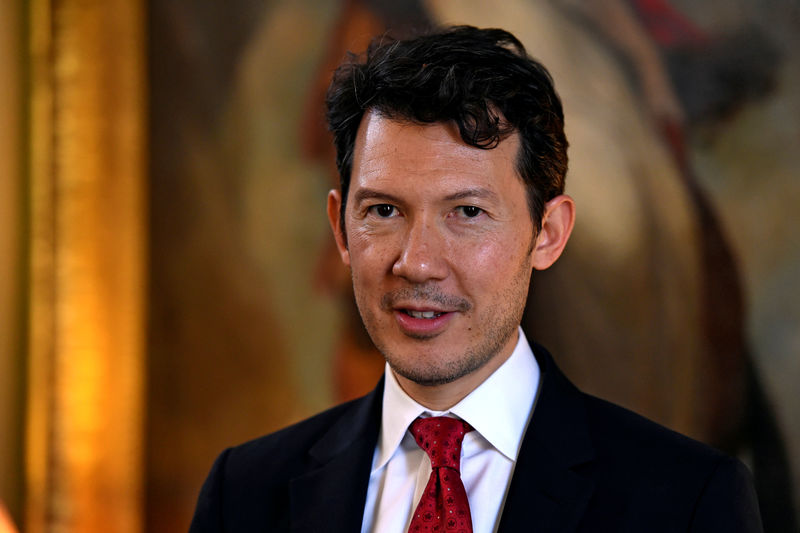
[[673, 299]]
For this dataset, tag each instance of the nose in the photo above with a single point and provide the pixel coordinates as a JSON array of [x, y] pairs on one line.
[[423, 254]]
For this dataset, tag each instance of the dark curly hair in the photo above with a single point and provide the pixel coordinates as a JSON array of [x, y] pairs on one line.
[[480, 79]]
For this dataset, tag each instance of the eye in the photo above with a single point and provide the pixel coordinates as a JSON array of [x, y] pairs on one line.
[[469, 211], [383, 210]]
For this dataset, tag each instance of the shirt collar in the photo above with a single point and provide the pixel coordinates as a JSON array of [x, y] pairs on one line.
[[498, 409]]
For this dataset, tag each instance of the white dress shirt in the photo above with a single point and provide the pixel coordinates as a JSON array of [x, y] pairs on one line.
[[498, 409]]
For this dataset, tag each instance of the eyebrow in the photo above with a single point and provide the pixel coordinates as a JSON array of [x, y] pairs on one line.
[[478, 192], [371, 194]]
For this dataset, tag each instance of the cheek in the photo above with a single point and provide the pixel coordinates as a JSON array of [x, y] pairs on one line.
[[369, 256], [493, 253], [487, 270]]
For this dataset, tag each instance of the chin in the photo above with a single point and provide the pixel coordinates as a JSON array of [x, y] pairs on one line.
[[428, 377], [418, 368]]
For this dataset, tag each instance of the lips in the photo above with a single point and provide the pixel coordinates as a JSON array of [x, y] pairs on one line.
[[422, 312], [422, 323]]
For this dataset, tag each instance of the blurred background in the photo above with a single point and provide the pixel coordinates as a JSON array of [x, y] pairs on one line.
[[169, 287]]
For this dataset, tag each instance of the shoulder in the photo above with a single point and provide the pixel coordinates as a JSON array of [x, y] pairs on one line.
[[629, 443], [291, 443], [642, 473], [280, 455], [618, 432], [248, 487], [691, 481]]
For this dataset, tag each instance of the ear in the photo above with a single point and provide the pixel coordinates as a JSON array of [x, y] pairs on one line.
[[334, 206], [557, 222]]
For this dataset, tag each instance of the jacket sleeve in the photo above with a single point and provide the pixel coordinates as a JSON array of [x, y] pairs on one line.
[[728, 501], [208, 513]]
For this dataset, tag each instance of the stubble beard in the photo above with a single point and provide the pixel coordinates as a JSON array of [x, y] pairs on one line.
[[497, 327]]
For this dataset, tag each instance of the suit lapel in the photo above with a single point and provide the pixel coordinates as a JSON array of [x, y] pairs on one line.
[[331, 495], [546, 493]]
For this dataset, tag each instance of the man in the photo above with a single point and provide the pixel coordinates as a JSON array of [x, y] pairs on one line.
[[452, 157]]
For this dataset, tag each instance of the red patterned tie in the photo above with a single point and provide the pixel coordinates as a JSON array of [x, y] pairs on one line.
[[443, 506]]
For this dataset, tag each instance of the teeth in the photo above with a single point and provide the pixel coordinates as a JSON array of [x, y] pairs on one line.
[[423, 314]]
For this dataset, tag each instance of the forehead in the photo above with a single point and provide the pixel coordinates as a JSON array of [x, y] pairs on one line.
[[388, 152]]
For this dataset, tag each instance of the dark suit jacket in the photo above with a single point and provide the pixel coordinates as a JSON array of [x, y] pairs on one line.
[[584, 465]]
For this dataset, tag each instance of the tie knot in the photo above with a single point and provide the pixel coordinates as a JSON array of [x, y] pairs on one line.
[[440, 437]]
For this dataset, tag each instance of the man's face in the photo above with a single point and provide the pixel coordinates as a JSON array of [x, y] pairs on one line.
[[439, 241]]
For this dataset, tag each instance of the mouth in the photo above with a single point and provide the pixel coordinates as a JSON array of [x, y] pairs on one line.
[[422, 314], [422, 324]]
